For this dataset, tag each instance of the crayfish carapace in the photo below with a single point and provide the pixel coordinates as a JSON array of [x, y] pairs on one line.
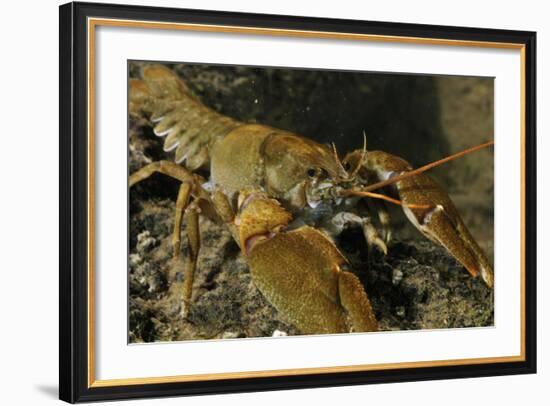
[[285, 199]]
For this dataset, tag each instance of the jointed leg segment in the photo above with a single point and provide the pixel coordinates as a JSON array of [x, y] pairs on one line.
[[181, 204], [193, 236], [381, 210], [185, 204], [165, 167], [344, 219], [371, 236]]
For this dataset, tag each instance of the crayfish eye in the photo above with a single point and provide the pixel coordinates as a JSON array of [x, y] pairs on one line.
[[311, 172], [347, 166]]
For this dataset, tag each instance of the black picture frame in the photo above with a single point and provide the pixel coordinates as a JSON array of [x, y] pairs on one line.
[[73, 284]]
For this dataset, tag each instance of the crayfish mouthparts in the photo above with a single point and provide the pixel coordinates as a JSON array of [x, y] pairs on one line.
[[316, 193], [324, 192]]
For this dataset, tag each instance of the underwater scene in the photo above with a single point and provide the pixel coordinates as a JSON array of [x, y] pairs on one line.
[[272, 202]]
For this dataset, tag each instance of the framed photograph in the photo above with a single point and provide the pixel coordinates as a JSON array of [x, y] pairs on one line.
[[256, 202]]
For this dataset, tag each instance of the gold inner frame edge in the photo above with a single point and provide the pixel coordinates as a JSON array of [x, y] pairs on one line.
[[92, 23]]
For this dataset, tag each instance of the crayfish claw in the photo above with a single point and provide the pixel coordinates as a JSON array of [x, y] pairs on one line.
[[300, 271], [450, 232], [432, 212]]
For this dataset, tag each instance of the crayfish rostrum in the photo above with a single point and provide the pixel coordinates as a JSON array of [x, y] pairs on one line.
[[286, 199]]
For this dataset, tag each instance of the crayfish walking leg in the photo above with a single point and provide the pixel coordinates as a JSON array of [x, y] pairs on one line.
[[187, 203]]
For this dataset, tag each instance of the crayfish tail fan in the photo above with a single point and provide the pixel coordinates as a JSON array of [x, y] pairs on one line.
[[189, 127]]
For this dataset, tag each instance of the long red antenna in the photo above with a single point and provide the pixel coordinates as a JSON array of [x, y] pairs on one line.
[[388, 199], [424, 168]]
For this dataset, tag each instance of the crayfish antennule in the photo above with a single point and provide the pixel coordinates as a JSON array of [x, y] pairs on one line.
[[335, 152], [341, 168], [362, 160], [424, 168]]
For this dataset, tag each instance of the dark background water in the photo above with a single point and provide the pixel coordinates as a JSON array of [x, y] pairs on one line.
[[397, 112]]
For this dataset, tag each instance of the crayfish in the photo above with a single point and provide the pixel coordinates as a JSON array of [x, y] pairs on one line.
[[285, 199]]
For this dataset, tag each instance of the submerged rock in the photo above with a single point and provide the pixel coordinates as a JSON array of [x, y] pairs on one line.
[[416, 286]]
